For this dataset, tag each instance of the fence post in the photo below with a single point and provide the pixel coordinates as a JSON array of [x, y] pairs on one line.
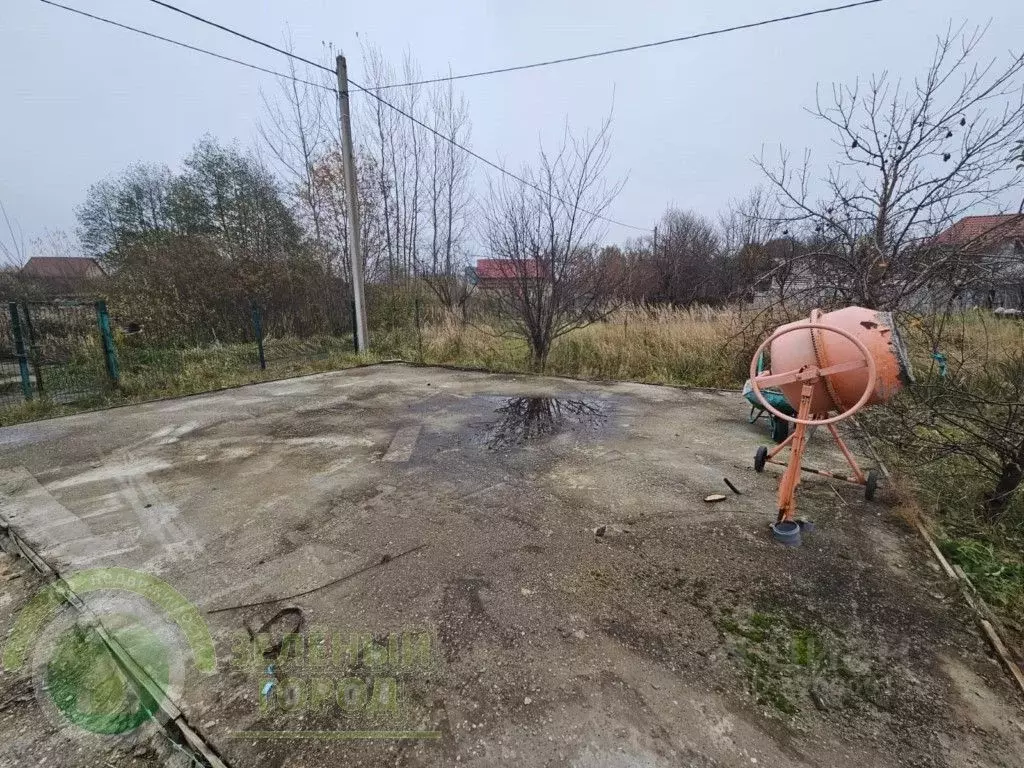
[[19, 350], [109, 350], [33, 349], [257, 326]]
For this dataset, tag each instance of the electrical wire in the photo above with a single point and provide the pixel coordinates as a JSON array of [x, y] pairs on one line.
[[372, 91], [493, 165], [628, 48], [195, 48], [416, 121], [246, 37], [354, 84], [534, 65]]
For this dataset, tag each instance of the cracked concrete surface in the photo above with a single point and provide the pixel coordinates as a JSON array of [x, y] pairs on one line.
[[551, 646]]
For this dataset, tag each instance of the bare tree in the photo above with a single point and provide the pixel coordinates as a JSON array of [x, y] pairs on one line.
[[546, 234], [969, 418], [413, 186], [12, 242], [398, 148], [914, 158], [330, 188], [685, 261], [752, 220], [57, 242], [297, 132], [447, 198]]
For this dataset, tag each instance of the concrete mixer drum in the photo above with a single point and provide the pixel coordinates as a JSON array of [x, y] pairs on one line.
[[818, 347], [836, 362]]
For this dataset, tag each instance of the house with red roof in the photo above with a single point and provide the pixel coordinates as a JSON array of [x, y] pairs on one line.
[[996, 242], [498, 274], [63, 276], [984, 232]]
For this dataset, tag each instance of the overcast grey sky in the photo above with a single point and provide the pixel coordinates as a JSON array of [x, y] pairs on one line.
[[83, 100]]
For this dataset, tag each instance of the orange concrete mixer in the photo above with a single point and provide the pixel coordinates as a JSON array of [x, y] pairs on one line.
[[832, 363]]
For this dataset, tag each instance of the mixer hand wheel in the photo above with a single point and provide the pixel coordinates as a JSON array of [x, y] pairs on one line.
[[808, 374]]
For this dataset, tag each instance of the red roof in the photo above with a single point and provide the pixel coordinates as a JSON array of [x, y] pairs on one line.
[[508, 269], [991, 229]]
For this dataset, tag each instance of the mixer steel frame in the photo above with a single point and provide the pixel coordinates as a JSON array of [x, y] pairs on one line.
[[797, 440]]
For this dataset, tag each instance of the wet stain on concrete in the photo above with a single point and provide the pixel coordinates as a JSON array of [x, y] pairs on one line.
[[527, 419]]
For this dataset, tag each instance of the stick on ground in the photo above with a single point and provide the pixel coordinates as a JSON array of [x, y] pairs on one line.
[[383, 560]]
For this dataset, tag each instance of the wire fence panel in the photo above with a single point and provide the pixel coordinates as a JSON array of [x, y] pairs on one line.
[[51, 351], [69, 351], [278, 345], [12, 378]]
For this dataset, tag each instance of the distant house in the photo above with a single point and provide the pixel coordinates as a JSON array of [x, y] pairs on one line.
[[985, 232], [63, 276], [496, 274], [996, 242]]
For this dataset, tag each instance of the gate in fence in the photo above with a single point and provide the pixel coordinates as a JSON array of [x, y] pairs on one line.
[[61, 351]]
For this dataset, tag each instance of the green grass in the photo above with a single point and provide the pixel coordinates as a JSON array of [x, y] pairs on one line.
[[792, 666], [686, 348], [990, 553], [996, 571], [950, 487], [150, 373]]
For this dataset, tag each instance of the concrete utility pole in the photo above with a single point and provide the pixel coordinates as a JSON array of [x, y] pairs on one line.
[[355, 251]]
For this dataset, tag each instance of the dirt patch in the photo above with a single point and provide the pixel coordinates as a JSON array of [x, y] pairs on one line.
[[463, 616]]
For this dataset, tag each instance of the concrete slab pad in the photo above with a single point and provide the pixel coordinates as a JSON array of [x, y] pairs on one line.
[[458, 510]]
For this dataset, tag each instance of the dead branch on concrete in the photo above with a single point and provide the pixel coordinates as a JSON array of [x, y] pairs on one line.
[[383, 561]]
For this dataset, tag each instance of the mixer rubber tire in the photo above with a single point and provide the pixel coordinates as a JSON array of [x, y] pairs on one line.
[[760, 458], [780, 429], [871, 485]]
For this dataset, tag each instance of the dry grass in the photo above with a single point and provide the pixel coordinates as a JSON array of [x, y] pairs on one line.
[[663, 346], [968, 341]]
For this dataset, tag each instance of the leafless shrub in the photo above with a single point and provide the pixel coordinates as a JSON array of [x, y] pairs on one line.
[[547, 233], [913, 159]]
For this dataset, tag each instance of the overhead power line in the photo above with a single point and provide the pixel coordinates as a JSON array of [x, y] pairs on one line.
[[372, 91], [241, 35], [186, 46], [628, 48], [485, 161], [355, 85]]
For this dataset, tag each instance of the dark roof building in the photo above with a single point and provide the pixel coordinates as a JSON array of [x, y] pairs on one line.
[[63, 275]]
